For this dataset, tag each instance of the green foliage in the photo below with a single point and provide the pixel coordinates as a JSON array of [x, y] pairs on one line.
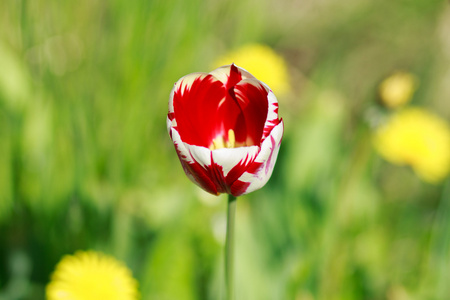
[[86, 162]]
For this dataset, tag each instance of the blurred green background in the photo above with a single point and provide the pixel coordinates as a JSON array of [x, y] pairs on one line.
[[86, 161]]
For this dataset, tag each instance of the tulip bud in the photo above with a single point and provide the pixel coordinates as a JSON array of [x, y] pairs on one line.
[[226, 130]]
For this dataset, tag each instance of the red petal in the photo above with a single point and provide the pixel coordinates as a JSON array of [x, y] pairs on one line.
[[224, 184], [239, 187], [209, 108], [200, 176], [195, 110], [252, 98]]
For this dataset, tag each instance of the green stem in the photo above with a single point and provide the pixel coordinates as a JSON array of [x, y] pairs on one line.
[[229, 248]]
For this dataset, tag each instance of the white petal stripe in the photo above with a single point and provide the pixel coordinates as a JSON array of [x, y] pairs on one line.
[[187, 81], [273, 105], [200, 154], [183, 152], [230, 157], [267, 156]]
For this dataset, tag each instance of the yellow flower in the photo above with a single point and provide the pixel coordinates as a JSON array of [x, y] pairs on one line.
[[397, 89], [417, 138], [263, 63], [89, 275]]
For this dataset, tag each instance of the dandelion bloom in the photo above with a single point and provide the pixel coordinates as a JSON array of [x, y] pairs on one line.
[[91, 276], [261, 61], [397, 89], [226, 130], [417, 138]]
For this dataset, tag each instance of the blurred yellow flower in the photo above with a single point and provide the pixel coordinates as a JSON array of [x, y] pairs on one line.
[[417, 138], [89, 275], [263, 63], [397, 89]]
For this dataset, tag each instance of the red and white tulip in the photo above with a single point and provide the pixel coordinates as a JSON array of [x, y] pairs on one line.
[[226, 130]]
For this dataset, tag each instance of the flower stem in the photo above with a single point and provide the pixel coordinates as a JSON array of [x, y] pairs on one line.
[[229, 248]]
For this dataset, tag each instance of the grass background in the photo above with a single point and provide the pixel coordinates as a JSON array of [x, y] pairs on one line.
[[86, 161]]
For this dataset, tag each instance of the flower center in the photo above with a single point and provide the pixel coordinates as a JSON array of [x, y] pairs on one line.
[[220, 142]]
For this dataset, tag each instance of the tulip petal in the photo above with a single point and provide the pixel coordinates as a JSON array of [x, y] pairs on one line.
[[252, 97], [228, 158], [223, 166], [196, 171], [223, 73], [261, 169], [196, 105], [272, 115], [201, 155], [186, 82]]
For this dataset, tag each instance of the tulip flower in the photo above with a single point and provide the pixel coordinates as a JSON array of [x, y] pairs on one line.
[[226, 130]]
